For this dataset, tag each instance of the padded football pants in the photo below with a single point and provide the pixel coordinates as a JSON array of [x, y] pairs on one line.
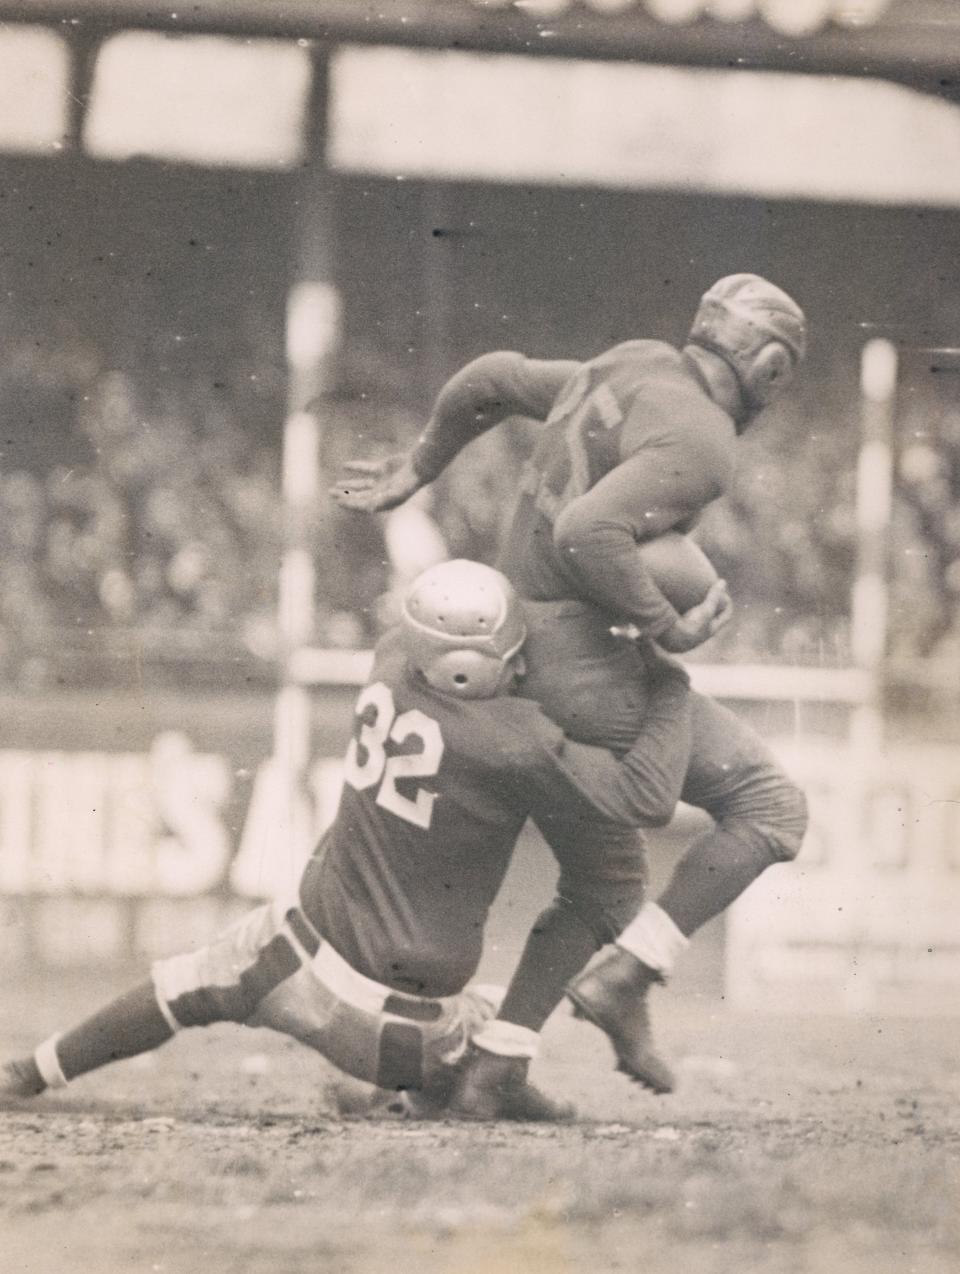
[[593, 684], [272, 969]]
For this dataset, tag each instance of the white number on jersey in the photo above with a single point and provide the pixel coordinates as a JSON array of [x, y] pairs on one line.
[[377, 767], [373, 735]]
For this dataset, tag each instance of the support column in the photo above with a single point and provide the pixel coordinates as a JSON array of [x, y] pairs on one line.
[[313, 337]]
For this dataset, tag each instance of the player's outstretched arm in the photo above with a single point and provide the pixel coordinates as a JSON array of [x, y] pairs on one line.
[[479, 396], [376, 486]]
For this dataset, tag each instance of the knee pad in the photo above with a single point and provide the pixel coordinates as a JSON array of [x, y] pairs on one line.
[[200, 987]]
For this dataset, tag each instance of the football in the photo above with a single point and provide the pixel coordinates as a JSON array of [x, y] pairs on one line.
[[680, 568]]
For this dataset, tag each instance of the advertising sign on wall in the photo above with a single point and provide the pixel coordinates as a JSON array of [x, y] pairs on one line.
[[132, 854], [868, 917]]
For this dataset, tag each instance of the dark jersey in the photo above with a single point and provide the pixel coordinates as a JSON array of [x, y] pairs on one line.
[[436, 791], [633, 446]]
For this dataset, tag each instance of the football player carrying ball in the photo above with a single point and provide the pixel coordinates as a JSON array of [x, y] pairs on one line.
[[636, 442]]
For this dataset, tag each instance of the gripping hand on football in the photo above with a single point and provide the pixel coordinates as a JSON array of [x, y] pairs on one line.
[[374, 486], [699, 623]]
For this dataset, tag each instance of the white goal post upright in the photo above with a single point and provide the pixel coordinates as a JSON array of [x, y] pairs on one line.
[[286, 825], [313, 325], [869, 616]]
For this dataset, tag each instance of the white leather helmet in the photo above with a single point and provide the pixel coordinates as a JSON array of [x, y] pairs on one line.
[[462, 624], [757, 329]]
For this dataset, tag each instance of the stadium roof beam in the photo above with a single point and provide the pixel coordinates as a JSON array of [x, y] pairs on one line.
[[915, 42]]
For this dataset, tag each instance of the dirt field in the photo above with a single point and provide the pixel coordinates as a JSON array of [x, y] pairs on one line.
[[810, 1145]]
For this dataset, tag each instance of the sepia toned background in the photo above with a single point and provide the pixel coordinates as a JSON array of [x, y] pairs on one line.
[[243, 242]]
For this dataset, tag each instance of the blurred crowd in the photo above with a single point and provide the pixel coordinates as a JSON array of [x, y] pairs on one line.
[[925, 600], [142, 533], [155, 535]]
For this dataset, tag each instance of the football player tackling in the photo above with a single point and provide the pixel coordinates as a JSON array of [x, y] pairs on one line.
[[636, 442], [368, 963]]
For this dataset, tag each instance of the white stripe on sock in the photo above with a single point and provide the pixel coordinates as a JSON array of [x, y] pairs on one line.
[[48, 1064], [164, 1008], [653, 937], [506, 1039]]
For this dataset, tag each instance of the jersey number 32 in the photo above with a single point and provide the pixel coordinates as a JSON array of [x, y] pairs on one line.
[[368, 764]]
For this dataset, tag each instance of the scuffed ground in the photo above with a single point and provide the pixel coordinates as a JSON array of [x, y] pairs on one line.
[[807, 1145]]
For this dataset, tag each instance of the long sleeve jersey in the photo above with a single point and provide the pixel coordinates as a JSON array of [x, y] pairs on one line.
[[436, 792], [633, 445]]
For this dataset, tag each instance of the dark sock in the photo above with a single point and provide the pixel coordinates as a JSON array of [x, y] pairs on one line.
[[558, 947], [714, 871], [129, 1025]]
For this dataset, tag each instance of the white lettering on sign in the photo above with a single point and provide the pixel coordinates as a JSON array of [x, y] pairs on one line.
[[152, 825], [277, 836], [16, 829], [190, 793], [113, 823], [283, 825]]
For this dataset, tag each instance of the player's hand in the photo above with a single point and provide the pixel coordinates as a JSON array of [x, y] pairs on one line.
[[699, 623], [373, 486]]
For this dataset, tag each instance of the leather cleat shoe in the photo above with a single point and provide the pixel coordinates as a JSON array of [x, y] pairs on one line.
[[493, 1087], [612, 994], [20, 1078], [432, 1101]]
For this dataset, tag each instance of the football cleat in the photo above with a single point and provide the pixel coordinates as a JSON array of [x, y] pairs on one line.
[[612, 994], [20, 1078], [492, 1087]]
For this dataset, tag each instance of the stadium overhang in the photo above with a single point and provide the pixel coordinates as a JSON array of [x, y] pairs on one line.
[[914, 42]]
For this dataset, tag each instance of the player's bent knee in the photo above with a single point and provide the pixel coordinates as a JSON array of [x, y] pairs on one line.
[[791, 826], [777, 827]]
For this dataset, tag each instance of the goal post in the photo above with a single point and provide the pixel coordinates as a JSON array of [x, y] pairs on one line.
[[281, 822], [869, 609]]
